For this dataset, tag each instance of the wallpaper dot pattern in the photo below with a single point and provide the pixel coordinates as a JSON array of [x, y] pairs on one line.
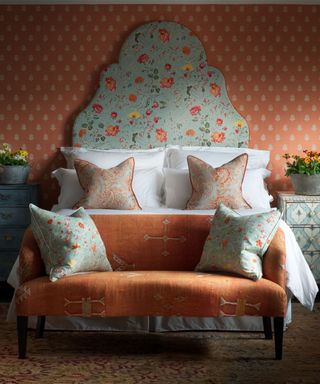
[[51, 57]]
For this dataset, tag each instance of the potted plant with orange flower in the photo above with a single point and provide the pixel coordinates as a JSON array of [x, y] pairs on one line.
[[14, 166], [304, 172]]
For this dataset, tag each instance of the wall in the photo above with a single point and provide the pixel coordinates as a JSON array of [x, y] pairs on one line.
[[51, 56]]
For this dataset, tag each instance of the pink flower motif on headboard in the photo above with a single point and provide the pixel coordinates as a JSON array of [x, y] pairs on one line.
[[195, 110], [142, 59]]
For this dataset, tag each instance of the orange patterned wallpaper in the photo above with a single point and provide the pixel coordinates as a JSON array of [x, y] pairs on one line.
[[51, 56]]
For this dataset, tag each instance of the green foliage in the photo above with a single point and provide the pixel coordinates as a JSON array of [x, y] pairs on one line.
[[308, 164], [7, 157]]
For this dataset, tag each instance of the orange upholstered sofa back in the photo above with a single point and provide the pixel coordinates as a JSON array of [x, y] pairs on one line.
[[154, 242], [157, 242]]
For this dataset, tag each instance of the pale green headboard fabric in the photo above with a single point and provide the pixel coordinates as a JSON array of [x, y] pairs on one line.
[[161, 92]]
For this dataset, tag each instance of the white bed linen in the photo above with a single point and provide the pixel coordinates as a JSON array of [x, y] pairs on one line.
[[300, 283]]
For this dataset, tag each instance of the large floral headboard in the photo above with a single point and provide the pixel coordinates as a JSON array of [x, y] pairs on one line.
[[161, 92]]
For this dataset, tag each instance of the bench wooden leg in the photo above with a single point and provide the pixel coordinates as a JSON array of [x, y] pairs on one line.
[[267, 327], [22, 328], [278, 323], [40, 326]]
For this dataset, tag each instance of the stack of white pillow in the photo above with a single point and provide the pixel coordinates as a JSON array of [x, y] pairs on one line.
[[161, 176]]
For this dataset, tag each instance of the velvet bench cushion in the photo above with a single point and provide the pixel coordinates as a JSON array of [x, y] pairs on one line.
[[142, 293]]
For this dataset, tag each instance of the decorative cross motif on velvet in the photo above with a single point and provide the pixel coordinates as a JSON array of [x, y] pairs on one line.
[[123, 264], [240, 305], [22, 293], [85, 305], [165, 238]]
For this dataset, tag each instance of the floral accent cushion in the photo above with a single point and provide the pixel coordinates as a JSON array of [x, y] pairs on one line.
[[236, 244], [212, 186], [106, 188], [68, 244]]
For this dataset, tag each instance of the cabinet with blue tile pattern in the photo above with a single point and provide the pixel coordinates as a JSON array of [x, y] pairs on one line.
[[14, 218], [302, 214]]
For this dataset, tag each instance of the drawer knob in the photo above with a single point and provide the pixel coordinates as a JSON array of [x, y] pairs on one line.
[[4, 197], [6, 216], [8, 237]]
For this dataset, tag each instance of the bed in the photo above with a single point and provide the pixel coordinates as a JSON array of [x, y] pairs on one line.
[[161, 104]]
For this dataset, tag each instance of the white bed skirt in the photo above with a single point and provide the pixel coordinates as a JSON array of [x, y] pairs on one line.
[[152, 323]]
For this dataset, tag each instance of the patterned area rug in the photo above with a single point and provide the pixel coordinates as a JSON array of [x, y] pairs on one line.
[[185, 357]]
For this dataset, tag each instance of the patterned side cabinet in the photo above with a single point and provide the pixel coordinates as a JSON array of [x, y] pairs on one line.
[[302, 214], [14, 218]]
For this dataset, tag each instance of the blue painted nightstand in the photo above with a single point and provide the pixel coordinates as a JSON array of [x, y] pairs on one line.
[[14, 218], [302, 214]]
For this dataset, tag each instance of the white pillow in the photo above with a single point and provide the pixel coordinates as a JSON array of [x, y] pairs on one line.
[[147, 185], [177, 157], [178, 189], [149, 158]]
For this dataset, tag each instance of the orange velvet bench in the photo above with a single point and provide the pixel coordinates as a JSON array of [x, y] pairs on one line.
[[153, 259]]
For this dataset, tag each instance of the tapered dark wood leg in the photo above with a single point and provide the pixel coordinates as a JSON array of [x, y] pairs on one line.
[[22, 327], [278, 336], [40, 326], [267, 327]]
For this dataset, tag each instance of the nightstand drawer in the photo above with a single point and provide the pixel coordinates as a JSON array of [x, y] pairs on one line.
[[14, 216], [11, 197], [313, 259], [308, 238], [302, 213], [11, 238], [7, 260]]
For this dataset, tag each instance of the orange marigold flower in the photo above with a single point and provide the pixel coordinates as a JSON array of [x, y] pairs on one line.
[[224, 243], [111, 83], [161, 135], [166, 82], [218, 137], [215, 90], [139, 80], [132, 97], [112, 130], [190, 132], [186, 50], [82, 132]]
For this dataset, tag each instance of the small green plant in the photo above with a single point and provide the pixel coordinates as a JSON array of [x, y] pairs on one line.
[[7, 157], [309, 164]]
